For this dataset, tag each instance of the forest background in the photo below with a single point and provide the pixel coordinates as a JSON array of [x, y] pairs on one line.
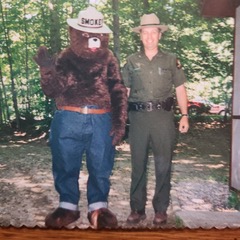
[[204, 47]]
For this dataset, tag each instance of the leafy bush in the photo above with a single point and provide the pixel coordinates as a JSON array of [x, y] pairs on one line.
[[234, 200]]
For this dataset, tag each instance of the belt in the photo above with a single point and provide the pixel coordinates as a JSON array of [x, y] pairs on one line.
[[84, 110], [151, 105]]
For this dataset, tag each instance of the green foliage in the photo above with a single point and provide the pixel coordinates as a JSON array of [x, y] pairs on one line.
[[179, 222], [234, 200], [204, 46]]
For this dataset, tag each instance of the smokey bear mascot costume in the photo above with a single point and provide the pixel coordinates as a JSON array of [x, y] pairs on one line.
[[91, 101]]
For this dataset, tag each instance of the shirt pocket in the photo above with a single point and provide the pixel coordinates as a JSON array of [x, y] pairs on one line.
[[165, 73], [136, 80], [163, 87]]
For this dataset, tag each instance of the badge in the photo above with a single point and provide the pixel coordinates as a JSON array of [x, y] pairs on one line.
[[178, 64]]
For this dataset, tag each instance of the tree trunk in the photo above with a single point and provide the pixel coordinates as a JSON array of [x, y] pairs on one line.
[[146, 6], [1, 100], [10, 62], [116, 40], [28, 93], [55, 39]]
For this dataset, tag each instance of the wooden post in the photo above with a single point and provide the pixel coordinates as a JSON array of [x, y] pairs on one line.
[[235, 152]]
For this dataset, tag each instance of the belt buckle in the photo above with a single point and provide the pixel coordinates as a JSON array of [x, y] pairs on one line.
[[136, 107], [85, 110], [149, 106], [140, 107], [159, 106]]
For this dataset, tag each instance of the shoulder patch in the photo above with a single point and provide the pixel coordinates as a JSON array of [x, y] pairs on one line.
[[178, 64]]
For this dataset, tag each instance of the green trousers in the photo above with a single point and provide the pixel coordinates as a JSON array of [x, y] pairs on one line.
[[155, 129]]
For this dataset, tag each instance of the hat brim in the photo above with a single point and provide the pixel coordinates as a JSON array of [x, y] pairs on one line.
[[72, 22], [162, 27]]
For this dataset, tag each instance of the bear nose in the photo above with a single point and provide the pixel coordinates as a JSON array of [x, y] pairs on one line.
[[94, 42]]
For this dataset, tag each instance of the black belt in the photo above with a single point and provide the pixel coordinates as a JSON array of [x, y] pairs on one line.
[[151, 105]]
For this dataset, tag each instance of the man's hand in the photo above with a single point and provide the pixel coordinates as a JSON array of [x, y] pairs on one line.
[[183, 124], [43, 59]]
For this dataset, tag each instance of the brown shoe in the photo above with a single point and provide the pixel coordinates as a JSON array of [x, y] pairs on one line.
[[136, 217], [102, 218], [61, 217], [160, 218]]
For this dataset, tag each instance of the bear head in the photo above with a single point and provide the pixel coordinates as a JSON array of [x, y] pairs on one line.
[[88, 45]]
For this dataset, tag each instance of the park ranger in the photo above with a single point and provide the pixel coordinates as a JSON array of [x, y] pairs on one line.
[[151, 76]]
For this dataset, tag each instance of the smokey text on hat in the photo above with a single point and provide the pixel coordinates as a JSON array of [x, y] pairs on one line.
[[90, 22]]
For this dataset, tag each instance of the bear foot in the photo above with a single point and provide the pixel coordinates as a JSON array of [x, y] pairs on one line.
[[102, 218], [61, 217]]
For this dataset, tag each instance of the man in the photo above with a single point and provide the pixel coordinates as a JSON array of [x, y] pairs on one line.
[[150, 76]]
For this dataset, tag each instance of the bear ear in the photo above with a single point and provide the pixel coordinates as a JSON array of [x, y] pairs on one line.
[[85, 34]]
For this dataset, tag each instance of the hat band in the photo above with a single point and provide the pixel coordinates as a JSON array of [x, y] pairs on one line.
[[150, 24], [91, 23]]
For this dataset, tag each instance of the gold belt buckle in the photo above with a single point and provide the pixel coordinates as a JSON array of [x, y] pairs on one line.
[[85, 110]]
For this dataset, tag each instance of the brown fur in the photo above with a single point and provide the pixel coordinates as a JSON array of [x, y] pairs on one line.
[[79, 77]]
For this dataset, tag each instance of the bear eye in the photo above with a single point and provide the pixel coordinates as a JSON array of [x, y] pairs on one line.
[[103, 35], [85, 35]]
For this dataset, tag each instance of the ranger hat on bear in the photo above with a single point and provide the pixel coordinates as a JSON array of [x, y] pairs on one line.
[[150, 20], [89, 20]]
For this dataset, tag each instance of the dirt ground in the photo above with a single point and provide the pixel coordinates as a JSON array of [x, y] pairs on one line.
[[200, 177]]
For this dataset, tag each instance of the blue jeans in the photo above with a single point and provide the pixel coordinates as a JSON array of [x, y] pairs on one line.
[[73, 134]]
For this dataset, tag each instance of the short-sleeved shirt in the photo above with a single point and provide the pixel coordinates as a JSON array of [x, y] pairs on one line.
[[152, 80]]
